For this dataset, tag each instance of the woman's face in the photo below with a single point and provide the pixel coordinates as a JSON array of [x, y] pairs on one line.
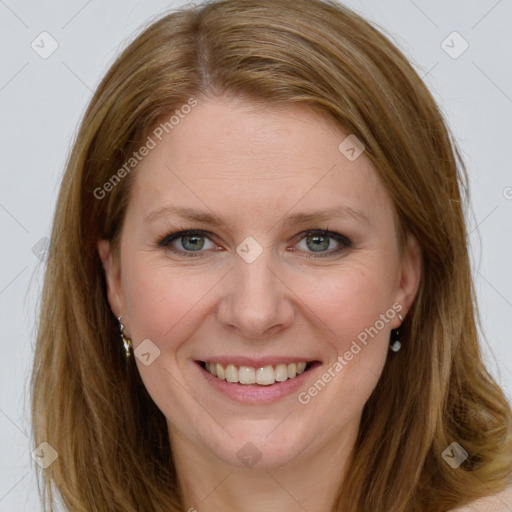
[[254, 290]]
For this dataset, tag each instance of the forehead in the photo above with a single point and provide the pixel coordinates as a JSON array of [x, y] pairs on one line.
[[232, 155]]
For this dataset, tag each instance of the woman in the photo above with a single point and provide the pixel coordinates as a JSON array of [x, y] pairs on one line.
[[258, 292]]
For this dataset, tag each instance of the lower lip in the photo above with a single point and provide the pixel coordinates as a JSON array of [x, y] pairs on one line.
[[255, 393]]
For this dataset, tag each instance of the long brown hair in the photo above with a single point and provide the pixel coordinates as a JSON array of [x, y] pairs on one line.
[[92, 407]]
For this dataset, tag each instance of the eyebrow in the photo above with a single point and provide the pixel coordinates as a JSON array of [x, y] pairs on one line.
[[290, 220]]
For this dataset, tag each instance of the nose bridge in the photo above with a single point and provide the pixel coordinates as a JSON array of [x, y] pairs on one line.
[[255, 302]]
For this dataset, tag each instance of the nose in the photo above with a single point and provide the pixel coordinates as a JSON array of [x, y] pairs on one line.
[[256, 301]]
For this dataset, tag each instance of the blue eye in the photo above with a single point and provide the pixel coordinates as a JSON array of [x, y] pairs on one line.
[[193, 243], [319, 241]]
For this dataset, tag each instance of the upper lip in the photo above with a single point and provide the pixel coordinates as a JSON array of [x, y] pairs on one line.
[[258, 362]]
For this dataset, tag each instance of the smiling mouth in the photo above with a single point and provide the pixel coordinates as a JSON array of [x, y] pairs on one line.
[[264, 376]]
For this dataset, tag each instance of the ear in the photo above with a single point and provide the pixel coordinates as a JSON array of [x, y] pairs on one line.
[[410, 273], [112, 277]]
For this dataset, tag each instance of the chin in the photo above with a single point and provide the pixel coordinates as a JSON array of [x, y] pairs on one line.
[[268, 445]]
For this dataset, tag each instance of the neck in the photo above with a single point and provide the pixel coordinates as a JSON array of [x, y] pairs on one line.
[[306, 482]]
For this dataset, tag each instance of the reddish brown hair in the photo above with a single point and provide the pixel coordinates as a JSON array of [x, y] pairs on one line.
[[112, 441]]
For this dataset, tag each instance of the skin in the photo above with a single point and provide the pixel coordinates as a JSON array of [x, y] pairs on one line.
[[254, 166]]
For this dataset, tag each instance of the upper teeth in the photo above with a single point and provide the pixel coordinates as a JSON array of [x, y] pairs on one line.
[[265, 376]]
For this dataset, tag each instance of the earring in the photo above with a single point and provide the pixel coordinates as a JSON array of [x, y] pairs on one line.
[[127, 342], [395, 344]]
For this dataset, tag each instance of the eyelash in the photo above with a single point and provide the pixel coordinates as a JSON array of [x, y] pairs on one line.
[[166, 240]]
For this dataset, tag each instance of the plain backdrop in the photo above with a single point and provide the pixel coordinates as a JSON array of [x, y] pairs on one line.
[[42, 99]]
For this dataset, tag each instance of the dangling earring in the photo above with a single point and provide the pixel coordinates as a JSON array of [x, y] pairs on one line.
[[127, 342], [395, 344]]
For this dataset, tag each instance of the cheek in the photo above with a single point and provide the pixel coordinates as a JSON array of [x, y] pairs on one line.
[[158, 300], [163, 307], [352, 301]]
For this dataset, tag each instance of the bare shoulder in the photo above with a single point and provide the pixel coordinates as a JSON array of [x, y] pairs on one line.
[[500, 502]]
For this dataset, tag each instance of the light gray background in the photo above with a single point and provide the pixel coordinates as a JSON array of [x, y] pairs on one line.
[[42, 100]]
